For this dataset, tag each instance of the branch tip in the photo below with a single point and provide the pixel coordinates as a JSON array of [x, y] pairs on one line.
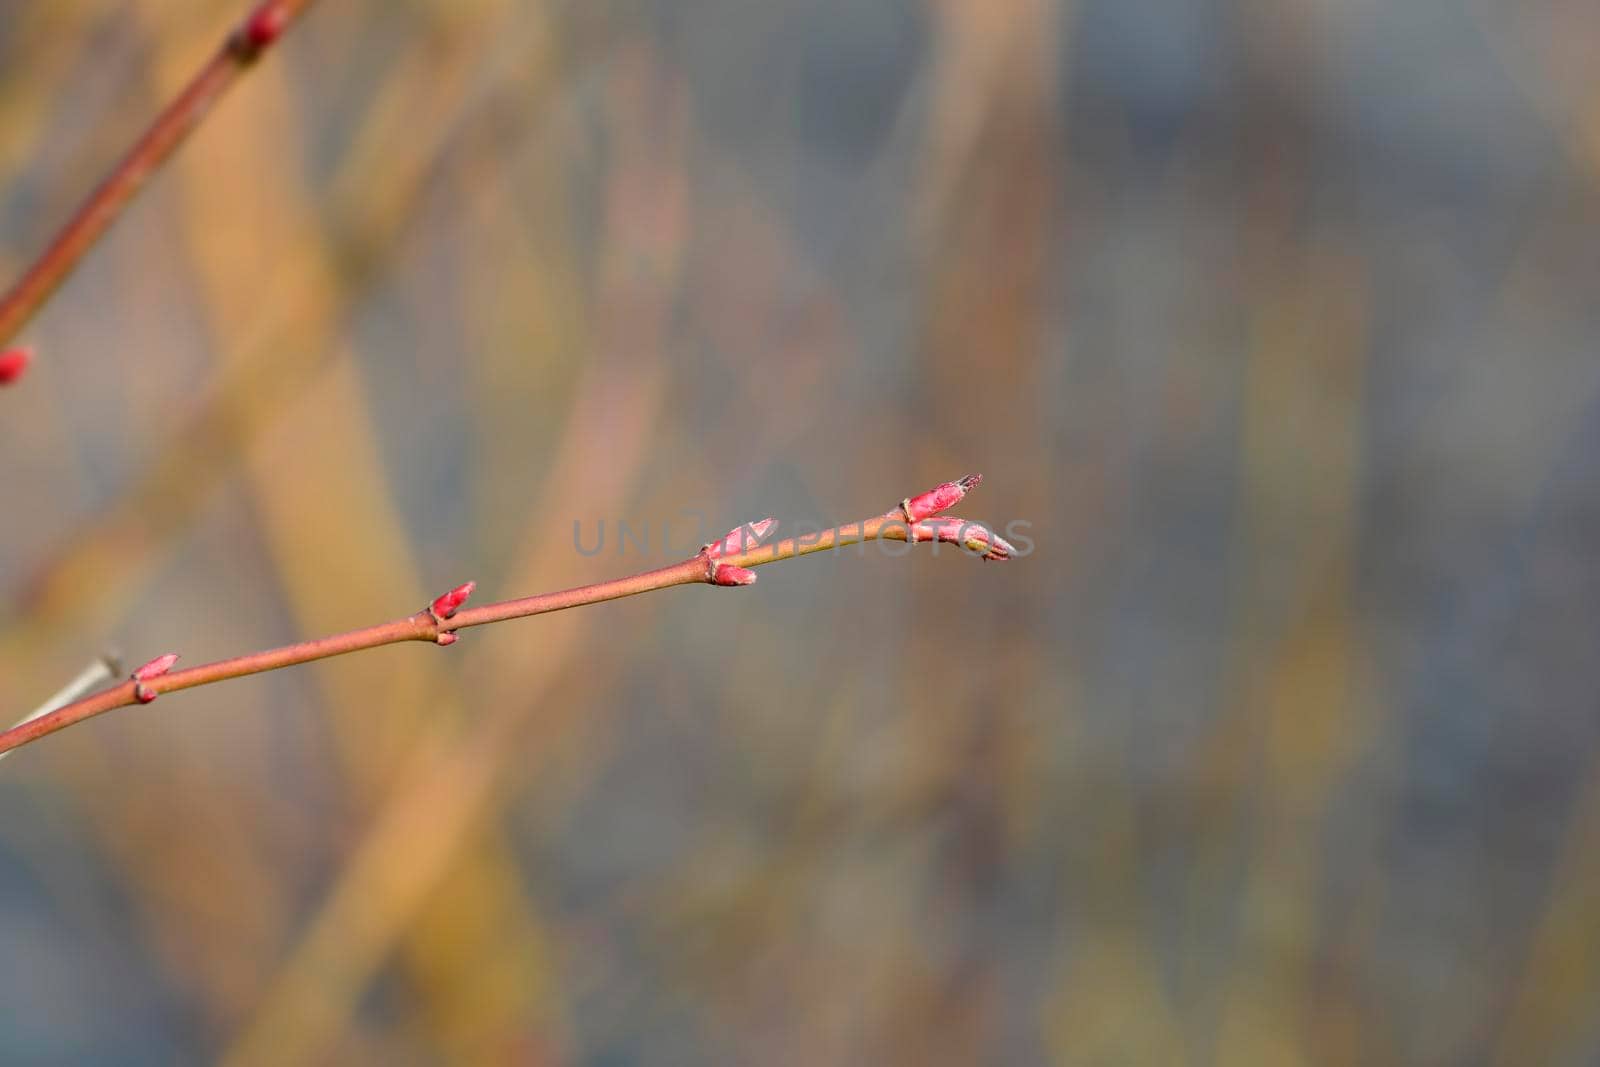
[[971, 535]]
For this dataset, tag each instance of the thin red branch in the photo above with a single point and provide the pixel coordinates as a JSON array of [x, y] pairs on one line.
[[715, 564], [242, 47]]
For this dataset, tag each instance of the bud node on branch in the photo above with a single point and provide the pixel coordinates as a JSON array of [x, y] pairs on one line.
[[150, 671]]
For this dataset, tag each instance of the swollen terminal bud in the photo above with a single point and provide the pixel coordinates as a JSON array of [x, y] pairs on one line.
[[970, 535], [939, 498]]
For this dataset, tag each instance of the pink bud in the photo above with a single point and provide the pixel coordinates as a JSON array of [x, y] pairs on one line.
[[939, 498], [970, 535], [727, 574], [156, 667], [449, 603], [741, 539], [14, 363], [445, 639], [266, 24]]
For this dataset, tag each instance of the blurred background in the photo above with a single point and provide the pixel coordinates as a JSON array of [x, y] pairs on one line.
[[1275, 320]]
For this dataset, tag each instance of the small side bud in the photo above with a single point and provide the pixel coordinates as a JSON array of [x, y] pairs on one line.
[[14, 363], [741, 539], [445, 639], [152, 670], [939, 498], [447, 604], [727, 574]]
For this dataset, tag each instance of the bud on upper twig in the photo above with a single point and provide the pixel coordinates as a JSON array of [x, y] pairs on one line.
[[741, 539], [14, 364], [939, 498], [265, 25]]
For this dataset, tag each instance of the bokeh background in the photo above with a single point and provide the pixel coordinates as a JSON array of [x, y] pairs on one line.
[[1276, 320]]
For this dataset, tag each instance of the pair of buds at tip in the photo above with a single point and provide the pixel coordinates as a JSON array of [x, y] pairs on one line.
[[14, 363], [149, 672], [972, 536], [939, 498], [739, 540]]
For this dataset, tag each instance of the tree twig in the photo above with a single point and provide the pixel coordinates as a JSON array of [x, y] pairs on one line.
[[237, 53], [721, 563]]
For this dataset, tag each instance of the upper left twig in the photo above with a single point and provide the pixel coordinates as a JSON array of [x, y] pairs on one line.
[[238, 51]]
